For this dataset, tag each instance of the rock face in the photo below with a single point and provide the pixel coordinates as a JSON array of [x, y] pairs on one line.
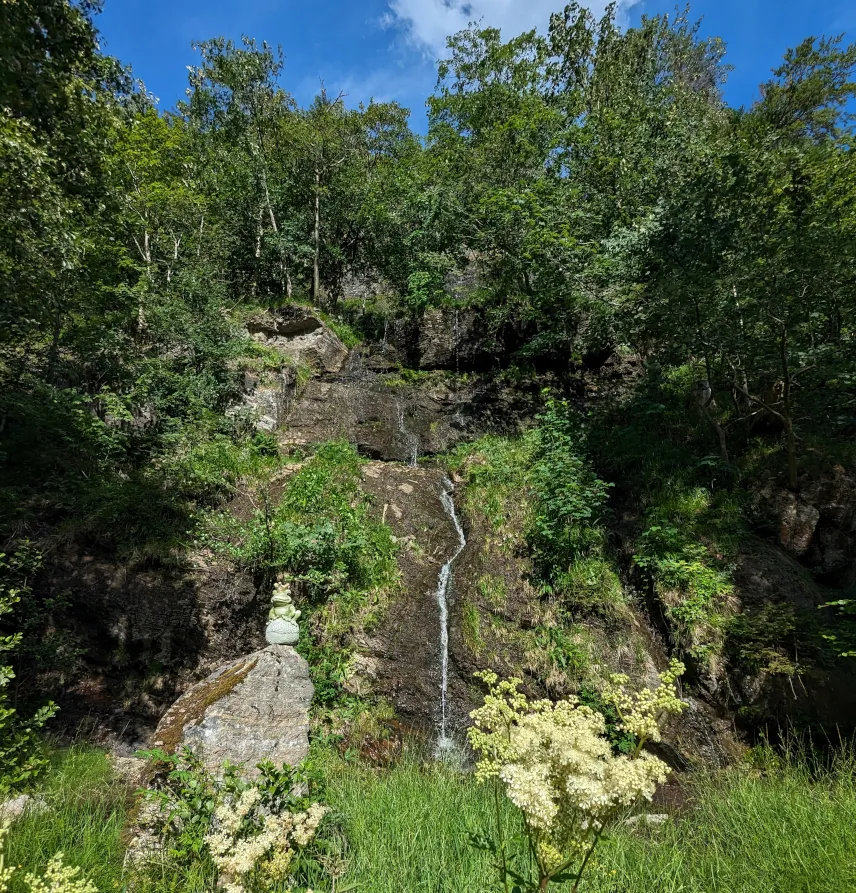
[[445, 338], [387, 418], [252, 709], [267, 398], [400, 658], [817, 524], [297, 333]]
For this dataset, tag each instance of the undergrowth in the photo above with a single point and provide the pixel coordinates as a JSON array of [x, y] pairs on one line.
[[313, 527]]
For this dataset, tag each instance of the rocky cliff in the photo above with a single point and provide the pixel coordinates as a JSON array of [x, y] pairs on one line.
[[151, 633]]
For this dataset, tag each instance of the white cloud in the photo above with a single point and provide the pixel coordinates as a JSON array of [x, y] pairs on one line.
[[428, 23]]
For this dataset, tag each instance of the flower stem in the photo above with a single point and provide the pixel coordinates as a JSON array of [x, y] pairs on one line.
[[499, 835]]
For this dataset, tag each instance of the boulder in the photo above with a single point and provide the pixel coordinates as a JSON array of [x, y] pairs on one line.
[[299, 334], [253, 709], [17, 807], [797, 521]]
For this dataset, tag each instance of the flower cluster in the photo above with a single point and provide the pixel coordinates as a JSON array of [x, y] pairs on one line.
[[640, 712], [556, 765], [248, 840], [57, 878], [252, 830]]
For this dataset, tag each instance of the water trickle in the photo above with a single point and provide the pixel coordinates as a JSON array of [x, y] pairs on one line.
[[444, 591], [410, 439], [457, 340]]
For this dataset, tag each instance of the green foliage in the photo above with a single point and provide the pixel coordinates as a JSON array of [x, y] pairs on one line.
[[315, 529], [22, 758], [786, 827], [759, 640], [318, 531], [569, 499], [210, 824], [684, 547]]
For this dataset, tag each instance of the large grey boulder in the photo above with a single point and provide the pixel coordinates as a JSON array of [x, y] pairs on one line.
[[299, 334], [252, 709]]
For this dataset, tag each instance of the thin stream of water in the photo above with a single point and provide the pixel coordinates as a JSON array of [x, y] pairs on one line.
[[444, 589], [410, 439]]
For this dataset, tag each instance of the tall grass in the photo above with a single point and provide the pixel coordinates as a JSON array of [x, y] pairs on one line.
[[785, 830], [789, 828], [85, 808]]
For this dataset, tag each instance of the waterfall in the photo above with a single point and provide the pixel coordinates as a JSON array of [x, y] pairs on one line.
[[444, 591], [457, 339], [411, 441]]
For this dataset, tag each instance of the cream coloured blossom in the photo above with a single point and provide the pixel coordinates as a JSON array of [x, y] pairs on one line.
[[57, 877], [641, 712], [558, 768], [246, 839]]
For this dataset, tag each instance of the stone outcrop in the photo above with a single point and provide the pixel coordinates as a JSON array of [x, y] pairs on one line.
[[444, 338], [817, 524], [299, 334], [456, 339], [385, 417], [250, 710], [267, 398]]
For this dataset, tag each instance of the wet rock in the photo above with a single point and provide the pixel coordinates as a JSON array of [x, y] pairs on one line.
[[388, 420], [456, 339], [250, 710], [400, 659]]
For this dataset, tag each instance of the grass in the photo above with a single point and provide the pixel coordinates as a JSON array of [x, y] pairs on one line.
[[407, 828], [85, 815], [785, 830], [787, 827]]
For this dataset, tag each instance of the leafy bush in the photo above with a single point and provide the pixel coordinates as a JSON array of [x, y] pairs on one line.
[[246, 835], [554, 763], [570, 500], [319, 530], [687, 538], [21, 755]]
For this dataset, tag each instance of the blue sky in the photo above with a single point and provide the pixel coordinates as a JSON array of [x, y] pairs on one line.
[[385, 49]]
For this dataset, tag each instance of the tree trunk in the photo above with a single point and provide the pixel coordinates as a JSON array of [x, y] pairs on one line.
[[316, 238], [788, 413], [255, 284], [720, 434], [791, 441]]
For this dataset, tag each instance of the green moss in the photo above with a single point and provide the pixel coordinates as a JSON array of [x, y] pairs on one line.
[[190, 709]]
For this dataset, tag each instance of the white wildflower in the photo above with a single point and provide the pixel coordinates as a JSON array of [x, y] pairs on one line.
[[558, 768]]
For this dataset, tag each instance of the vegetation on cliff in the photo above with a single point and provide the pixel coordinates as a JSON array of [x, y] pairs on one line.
[[679, 276]]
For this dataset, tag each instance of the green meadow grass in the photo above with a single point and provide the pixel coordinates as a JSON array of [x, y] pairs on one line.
[[789, 828]]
